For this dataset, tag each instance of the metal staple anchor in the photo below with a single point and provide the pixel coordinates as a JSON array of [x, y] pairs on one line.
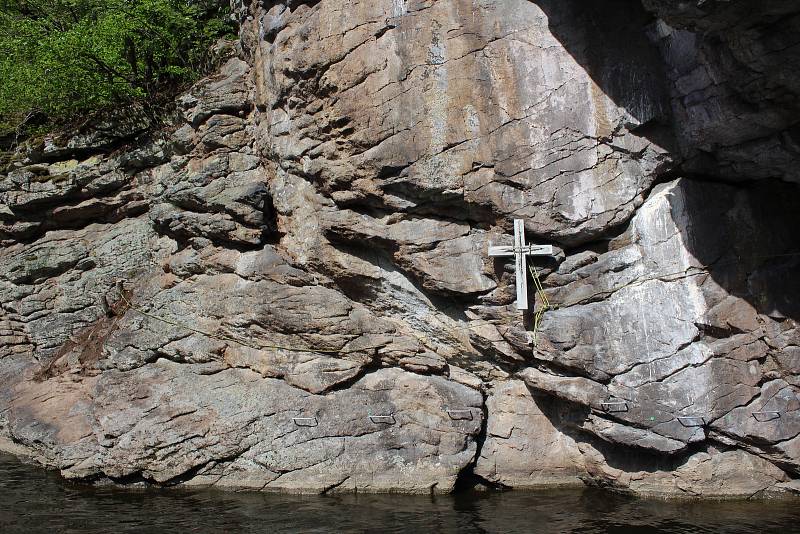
[[305, 421], [465, 415], [382, 419], [614, 406], [691, 420], [766, 415]]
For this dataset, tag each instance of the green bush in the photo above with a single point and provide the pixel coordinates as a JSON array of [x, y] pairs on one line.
[[63, 58]]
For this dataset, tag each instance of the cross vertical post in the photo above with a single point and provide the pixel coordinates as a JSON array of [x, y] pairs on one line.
[[521, 268]]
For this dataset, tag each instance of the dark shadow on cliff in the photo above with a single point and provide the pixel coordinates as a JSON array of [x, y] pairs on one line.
[[747, 235], [567, 418], [609, 40]]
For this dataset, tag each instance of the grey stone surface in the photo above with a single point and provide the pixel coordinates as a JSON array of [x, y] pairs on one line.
[[236, 429], [526, 446], [734, 84], [708, 474], [309, 239]]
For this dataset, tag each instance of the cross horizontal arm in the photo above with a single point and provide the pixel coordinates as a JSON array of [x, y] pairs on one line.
[[529, 250]]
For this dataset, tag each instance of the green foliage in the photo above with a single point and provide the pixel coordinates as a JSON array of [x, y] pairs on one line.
[[62, 58]]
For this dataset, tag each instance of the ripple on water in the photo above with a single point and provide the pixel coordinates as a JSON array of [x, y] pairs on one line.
[[33, 500]]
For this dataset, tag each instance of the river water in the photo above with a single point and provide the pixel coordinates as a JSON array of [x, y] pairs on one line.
[[33, 500]]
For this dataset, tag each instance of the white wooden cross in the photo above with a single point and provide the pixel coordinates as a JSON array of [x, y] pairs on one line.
[[521, 251]]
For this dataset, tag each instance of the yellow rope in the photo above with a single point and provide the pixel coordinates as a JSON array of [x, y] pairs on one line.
[[544, 305]]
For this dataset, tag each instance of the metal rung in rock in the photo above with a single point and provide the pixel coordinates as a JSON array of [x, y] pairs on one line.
[[767, 415], [382, 419], [691, 420], [614, 406], [305, 421], [460, 414]]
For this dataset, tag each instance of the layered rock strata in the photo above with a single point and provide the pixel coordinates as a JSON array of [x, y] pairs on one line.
[[289, 288]]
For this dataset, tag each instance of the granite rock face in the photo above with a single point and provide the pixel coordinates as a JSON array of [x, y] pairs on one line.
[[289, 289]]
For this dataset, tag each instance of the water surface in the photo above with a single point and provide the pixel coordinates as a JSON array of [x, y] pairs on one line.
[[33, 500]]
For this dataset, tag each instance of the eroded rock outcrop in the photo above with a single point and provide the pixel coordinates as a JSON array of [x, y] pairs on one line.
[[289, 289]]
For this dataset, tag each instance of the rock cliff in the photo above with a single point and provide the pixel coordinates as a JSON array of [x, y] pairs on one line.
[[289, 289]]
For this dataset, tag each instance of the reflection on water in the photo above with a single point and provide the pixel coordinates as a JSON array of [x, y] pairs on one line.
[[32, 500]]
